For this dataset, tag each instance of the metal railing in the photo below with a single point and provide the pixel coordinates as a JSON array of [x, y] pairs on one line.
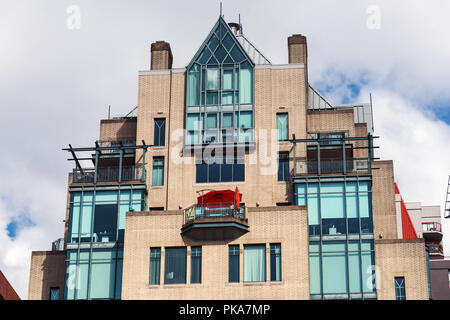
[[214, 210], [107, 174], [306, 166], [431, 227], [58, 245], [107, 144]]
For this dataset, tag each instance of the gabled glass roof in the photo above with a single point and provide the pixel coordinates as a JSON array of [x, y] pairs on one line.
[[223, 47]]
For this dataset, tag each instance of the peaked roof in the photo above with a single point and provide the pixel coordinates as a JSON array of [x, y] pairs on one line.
[[246, 47]]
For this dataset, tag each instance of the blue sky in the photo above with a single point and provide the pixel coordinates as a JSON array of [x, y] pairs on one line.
[[60, 81]]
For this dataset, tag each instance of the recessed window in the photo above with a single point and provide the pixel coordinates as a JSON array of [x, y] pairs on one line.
[[283, 126], [400, 293], [54, 293], [159, 135], [105, 222], [155, 265], [175, 265], [283, 166], [233, 263], [275, 262], [224, 169], [255, 263], [196, 264], [158, 171]]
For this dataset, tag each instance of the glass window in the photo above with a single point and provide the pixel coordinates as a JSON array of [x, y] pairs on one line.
[[155, 265], [193, 97], [275, 262], [105, 223], [315, 282], [220, 171], [227, 83], [233, 263], [283, 166], [159, 132], [400, 293], [211, 121], [196, 264], [158, 171], [212, 78], [282, 126], [334, 266], [255, 263], [227, 120], [54, 293], [175, 265]]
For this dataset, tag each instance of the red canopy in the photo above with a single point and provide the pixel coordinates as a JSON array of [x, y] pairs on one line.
[[213, 198]]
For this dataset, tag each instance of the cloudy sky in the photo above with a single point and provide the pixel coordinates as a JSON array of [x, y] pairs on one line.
[[57, 80]]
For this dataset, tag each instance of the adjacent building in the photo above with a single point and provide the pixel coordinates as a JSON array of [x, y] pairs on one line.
[[232, 179], [7, 292]]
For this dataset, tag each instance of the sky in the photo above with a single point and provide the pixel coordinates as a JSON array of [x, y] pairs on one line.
[[62, 63]]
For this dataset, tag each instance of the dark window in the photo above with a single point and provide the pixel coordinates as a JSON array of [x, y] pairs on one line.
[[283, 166], [105, 222], [400, 293], [160, 132], [283, 204], [54, 293], [220, 171], [155, 265], [196, 264], [157, 209], [175, 265], [275, 262], [233, 263]]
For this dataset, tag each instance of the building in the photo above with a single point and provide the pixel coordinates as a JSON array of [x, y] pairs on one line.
[[7, 292], [233, 179]]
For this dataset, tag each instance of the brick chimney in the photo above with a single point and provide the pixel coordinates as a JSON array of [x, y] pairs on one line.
[[298, 52], [161, 56]]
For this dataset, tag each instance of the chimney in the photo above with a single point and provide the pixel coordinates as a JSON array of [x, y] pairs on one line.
[[161, 56], [234, 27], [298, 52]]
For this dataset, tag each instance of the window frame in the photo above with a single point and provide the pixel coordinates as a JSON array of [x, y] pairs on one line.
[[159, 140], [158, 166], [400, 288]]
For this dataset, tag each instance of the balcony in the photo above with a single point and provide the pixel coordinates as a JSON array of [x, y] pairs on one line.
[[435, 250], [432, 231], [108, 174], [304, 167], [219, 221]]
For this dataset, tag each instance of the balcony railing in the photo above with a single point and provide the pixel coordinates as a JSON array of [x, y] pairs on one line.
[[307, 166], [214, 210], [109, 174], [431, 227], [107, 144]]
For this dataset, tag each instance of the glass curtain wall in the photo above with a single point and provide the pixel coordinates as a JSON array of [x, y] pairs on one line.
[[341, 245], [95, 242], [219, 93]]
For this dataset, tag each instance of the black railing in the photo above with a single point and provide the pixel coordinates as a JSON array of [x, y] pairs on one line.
[[214, 210], [307, 166], [108, 174]]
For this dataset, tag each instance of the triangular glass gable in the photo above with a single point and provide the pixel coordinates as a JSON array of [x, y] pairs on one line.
[[221, 43]]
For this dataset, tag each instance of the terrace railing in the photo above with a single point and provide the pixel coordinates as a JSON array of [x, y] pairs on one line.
[[214, 210], [109, 174]]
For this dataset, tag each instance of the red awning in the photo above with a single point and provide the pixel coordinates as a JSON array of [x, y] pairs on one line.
[[220, 196]]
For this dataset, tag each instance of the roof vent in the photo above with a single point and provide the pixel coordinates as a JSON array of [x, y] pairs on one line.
[[234, 28]]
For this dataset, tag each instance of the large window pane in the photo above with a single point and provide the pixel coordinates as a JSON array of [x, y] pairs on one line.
[[227, 83], [175, 265], [334, 268], [314, 268], [105, 223], [196, 264], [155, 265], [233, 263], [254, 263], [193, 97], [212, 78], [246, 83]]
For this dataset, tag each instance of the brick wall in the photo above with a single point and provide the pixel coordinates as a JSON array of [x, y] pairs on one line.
[[285, 225], [7, 292], [402, 258], [47, 270]]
